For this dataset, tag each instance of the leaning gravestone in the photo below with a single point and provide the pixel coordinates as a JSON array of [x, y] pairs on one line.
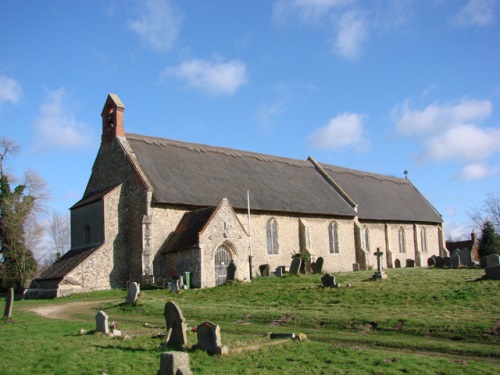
[[317, 267], [176, 328], [209, 338], [174, 363], [101, 322], [431, 261], [295, 266], [132, 293], [328, 281], [264, 270], [9, 302], [493, 260], [231, 271]]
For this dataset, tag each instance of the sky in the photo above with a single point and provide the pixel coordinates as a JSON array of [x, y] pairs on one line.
[[379, 86]]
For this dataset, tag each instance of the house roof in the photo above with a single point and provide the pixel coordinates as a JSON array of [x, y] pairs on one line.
[[381, 197], [67, 263], [200, 175]]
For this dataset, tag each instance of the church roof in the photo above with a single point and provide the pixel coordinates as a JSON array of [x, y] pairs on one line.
[[200, 175], [67, 263]]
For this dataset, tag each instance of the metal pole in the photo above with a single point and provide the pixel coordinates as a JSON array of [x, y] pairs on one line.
[[250, 258]]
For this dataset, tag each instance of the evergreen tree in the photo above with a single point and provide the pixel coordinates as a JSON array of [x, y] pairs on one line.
[[490, 242]]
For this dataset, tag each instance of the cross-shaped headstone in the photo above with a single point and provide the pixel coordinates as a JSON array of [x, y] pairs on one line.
[[379, 263]]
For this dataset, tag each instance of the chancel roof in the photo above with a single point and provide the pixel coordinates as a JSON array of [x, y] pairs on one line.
[[67, 263]]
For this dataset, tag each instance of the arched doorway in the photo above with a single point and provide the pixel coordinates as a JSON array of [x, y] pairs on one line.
[[222, 260]]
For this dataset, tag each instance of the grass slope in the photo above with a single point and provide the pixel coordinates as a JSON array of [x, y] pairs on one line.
[[425, 321]]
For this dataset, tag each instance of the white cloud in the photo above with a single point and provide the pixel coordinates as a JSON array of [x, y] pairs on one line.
[[465, 143], [309, 11], [476, 13], [10, 90], [477, 171], [346, 129], [267, 114], [57, 127], [215, 78], [351, 36], [456, 231], [439, 116], [158, 24]]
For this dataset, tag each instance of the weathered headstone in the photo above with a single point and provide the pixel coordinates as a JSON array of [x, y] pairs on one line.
[[328, 281], [465, 257], [492, 260], [356, 267], [133, 292], [439, 261], [493, 272], [379, 274], [9, 302], [431, 261], [176, 326], [174, 363], [101, 322], [410, 263], [317, 267], [209, 338], [280, 270], [455, 259], [231, 271], [175, 285], [295, 266], [446, 261], [397, 263], [264, 270]]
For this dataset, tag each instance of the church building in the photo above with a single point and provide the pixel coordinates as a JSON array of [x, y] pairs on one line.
[[156, 208]]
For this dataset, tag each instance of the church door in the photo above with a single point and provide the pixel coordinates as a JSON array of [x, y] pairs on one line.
[[222, 260]]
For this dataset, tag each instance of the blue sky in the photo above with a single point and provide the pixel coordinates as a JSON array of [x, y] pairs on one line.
[[381, 86]]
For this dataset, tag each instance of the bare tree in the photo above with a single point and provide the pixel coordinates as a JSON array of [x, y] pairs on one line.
[[59, 232], [488, 212]]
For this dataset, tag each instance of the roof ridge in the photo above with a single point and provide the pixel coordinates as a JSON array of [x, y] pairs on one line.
[[360, 173], [199, 147]]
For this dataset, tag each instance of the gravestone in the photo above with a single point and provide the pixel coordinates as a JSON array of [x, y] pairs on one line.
[[431, 261], [281, 336], [465, 257], [356, 267], [455, 260], [439, 261], [133, 292], [295, 266], [176, 328], [493, 272], [174, 363], [231, 271], [175, 285], [9, 302], [264, 270], [317, 267], [101, 322], [492, 260], [379, 274], [446, 261], [280, 270], [328, 281], [483, 262], [209, 338], [410, 263], [397, 263]]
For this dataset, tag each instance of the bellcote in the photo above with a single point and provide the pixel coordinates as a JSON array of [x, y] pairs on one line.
[[112, 119]]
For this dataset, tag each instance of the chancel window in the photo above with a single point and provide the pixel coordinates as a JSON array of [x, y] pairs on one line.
[[423, 240], [86, 234], [402, 241], [272, 236], [333, 233]]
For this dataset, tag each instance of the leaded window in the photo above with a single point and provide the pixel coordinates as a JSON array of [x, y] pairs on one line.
[[272, 236], [333, 233]]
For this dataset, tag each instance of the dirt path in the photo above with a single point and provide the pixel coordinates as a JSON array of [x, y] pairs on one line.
[[68, 310]]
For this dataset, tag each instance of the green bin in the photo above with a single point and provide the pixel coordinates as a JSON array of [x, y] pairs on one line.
[[187, 279]]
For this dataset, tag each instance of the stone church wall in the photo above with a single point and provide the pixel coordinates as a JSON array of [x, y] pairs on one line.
[[92, 217]]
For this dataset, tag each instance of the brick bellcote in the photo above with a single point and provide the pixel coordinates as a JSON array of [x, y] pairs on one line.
[[112, 119]]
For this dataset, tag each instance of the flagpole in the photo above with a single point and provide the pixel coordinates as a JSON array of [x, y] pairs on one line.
[[250, 258]]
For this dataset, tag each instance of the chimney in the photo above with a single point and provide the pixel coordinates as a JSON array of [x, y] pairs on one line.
[[112, 119]]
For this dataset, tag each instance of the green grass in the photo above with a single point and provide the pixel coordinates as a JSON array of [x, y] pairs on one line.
[[425, 321]]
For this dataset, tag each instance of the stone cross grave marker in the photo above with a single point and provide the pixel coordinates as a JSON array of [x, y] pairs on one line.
[[295, 266], [101, 322], [209, 338], [133, 292], [9, 302], [317, 267], [231, 271], [174, 363], [379, 274], [176, 326]]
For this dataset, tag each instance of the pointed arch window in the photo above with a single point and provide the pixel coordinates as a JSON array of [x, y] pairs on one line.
[[333, 233], [423, 240], [365, 238], [272, 236], [402, 241]]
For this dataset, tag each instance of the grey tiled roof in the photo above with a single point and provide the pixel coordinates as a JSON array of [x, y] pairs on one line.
[[67, 263]]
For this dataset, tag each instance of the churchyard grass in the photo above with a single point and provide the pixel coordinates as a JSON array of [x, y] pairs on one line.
[[419, 320]]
